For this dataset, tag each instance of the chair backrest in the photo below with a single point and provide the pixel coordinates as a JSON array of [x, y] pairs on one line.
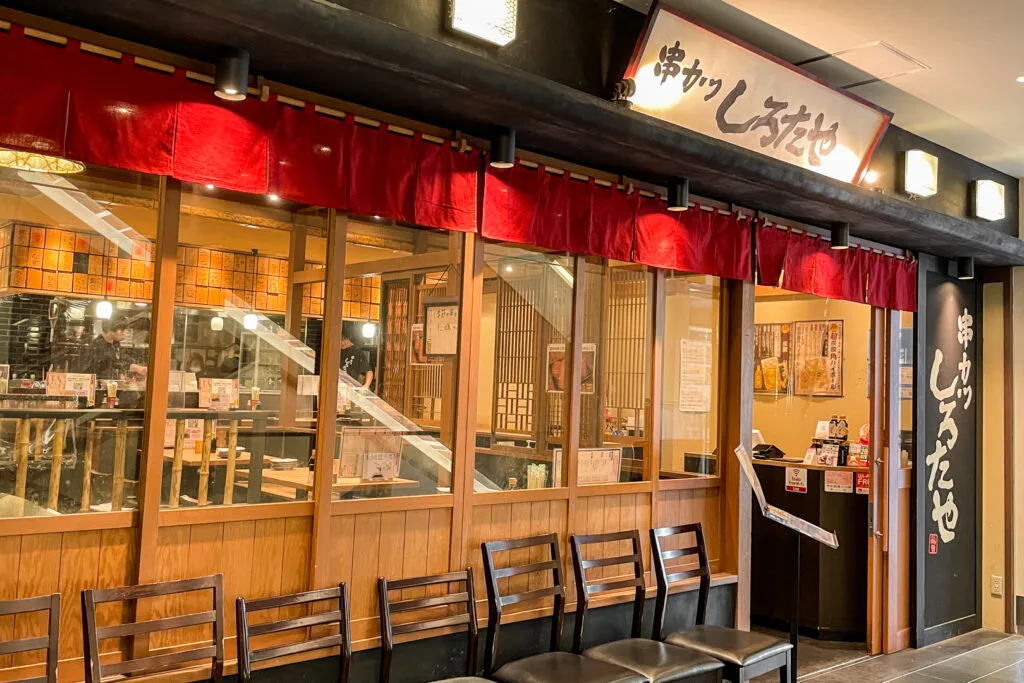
[[585, 588], [49, 642], [96, 670], [661, 572], [496, 600], [465, 598], [339, 616]]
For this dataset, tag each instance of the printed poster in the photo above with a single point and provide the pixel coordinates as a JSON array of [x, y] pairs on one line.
[[589, 361], [772, 363], [695, 375], [218, 393], [862, 483], [838, 482], [419, 350], [71, 384], [555, 368], [818, 352], [796, 480]]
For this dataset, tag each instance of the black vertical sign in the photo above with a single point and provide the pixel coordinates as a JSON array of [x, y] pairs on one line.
[[947, 474]]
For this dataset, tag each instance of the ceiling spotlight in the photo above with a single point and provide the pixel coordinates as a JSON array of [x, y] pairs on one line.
[[231, 79], [216, 323], [965, 268], [250, 321], [679, 194], [503, 149], [871, 177], [104, 309], [211, 186], [508, 269], [273, 197], [369, 330], [840, 235]]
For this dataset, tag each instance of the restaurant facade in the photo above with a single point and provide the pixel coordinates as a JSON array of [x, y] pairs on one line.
[[403, 292]]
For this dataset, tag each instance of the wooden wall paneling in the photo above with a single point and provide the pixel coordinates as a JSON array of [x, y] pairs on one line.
[[736, 404], [78, 569], [330, 367], [10, 561], [239, 539], [37, 575], [876, 496], [171, 564], [158, 376], [204, 558], [439, 541], [414, 551], [464, 466], [366, 542], [295, 566]]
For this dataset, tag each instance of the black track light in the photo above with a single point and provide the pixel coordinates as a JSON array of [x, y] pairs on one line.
[[679, 194], [840, 235], [965, 268], [231, 80], [503, 149]]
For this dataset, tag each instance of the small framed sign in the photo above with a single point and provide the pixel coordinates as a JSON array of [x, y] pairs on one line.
[[441, 329]]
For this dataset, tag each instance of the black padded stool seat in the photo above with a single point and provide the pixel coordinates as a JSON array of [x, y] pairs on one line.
[[564, 667], [741, 648], [657, 662]]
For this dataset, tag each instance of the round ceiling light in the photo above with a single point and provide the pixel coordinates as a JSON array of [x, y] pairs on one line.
[[40, 163]]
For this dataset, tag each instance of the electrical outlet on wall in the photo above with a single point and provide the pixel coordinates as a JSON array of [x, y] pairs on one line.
[[997, 585]]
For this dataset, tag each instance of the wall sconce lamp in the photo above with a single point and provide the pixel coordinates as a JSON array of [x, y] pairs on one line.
[[231, 79], [920, 173], [679, 194], [989, 200], [965, 268], [503, 149], [840, 235], [493, 21]]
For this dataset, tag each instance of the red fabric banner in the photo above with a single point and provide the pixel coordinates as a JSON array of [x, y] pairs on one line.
[[657, 234], [35, 81], [855, 275], [613, 218], [881, 280], [446, 187], [307, 157], [510, 202], [802, 250], [905, 286], [828, 271], [732, 247], [121, 115], [382, 173], [771, 254]]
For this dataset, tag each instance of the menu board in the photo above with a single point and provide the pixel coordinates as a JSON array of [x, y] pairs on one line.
[[441, 331], [818, 351], [369, 452], [218, 393], [593, 465], [772, 364], [695, 375], [71, 384]]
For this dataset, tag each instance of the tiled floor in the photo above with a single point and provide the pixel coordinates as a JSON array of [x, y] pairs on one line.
[[982, 656]]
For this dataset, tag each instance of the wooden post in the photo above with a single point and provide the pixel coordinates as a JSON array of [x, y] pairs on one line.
[[204, 463], [652, 468], [37, 451], [120, 445], [159, 365], [90, 450], [56, 458], [21, 441], [293, 324], [327, 414], [229, 470], [179, 452]]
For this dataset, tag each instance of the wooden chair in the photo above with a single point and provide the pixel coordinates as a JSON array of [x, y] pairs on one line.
[[49, 642], [746, 655], [466, 598], [338, 616], [96, 670], [656, 660], [552, 666]]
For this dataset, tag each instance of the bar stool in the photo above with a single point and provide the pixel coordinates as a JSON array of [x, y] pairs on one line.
[[336, 598], [466, 598], [746, 655], [44, 603], [659, 662], [552, 666]]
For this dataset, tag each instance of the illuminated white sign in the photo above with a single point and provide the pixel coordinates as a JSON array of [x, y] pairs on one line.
[[920, 173], [695, 78], [989, 200], [490, 20]]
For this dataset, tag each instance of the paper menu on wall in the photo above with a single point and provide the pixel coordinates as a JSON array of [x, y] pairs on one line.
[[779, 515], [441, 332], [694, 375]]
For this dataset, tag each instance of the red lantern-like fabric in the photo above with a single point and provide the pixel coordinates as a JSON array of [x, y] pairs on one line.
[[446, 187], [881, 280], [771, 254], [307, 157], [828, 271], [612, 223], [382, 173], [905, 287], [855, 274], [798, 268], [35, 81], [732, 247]]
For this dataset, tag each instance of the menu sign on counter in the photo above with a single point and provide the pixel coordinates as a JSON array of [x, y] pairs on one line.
[[796, 480], [838, 481], [700, 79]]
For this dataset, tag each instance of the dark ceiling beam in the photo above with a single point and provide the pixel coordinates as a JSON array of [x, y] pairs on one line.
[[326, 48]]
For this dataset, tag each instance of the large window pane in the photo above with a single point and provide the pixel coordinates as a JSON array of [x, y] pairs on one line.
[[525, 336], [615, 373], [242, 413], [76, 284], [690, 368]]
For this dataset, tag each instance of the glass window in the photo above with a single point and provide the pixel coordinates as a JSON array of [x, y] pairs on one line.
[[690, 367], [906, 389], [525, 334], [811, 377], [399, 358], [244, 355], [76, 284], [615, 374]]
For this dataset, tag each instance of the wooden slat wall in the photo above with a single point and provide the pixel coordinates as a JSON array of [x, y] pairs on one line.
[[684, 506], [605, 514]]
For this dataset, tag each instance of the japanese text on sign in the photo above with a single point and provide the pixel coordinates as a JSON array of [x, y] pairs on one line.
[[940, 483], [698, 79]]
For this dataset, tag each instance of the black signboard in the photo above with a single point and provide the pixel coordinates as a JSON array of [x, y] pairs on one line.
[[947, 462]]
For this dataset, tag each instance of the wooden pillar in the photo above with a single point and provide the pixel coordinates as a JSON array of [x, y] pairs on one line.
[[90, 451], [229, 469], [652, 466], [174, 495], [204, 463], [571, 419], [165, 258], [120, 447], [293, 324], [736, 408], [327, 404], [56, 460]]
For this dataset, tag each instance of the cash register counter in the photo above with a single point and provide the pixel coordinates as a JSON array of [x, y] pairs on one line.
[[833, 583]]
